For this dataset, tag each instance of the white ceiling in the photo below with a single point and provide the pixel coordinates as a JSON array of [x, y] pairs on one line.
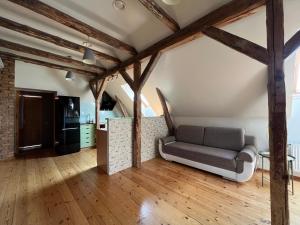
[[135, 25], [207, 79], [201, 78]]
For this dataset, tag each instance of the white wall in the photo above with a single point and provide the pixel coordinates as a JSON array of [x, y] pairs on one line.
[[207, 83], [43, 78], [294, 122]]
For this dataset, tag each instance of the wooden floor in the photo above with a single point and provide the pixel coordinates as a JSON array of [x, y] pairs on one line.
[[70, 190]]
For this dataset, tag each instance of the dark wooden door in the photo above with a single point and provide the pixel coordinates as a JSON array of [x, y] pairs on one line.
[[30, 121]]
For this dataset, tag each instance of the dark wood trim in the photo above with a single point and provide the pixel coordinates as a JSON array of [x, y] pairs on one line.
[[46, 64], [69, 21], [160, 14], [99, 89], [167, 115], [32, 32], [277, 114], [137, 117], [239, 44], [292, 44], [148, 70], [49, 55], [228, 12], [127, 78]]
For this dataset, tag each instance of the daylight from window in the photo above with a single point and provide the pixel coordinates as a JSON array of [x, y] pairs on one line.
[[146, 108], [298, 81]]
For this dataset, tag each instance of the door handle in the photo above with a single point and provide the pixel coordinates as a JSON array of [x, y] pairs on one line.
[[73, 128]]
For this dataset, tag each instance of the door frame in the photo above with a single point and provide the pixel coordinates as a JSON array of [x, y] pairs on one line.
[[17, 112]]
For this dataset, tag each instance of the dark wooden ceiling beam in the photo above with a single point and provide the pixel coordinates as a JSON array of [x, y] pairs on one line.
[[127, 78], [32, 32], [292, 44], [48, 55], [160, 14], [239, 44], [148, 70], [46, 64], [218, 17], [69, 21]]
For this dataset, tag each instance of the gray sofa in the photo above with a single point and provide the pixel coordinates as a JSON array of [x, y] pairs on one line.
[[224, 151]]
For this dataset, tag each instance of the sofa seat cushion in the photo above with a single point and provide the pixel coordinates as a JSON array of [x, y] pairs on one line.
[[190, 134], [226, 138], [221, 158]]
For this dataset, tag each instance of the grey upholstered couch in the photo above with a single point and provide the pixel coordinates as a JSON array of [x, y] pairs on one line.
[[224, 151]]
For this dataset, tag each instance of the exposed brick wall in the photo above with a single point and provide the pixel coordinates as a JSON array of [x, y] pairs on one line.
[[7, 109]]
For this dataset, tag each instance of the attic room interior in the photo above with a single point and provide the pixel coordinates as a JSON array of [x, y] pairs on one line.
[[150, 112]]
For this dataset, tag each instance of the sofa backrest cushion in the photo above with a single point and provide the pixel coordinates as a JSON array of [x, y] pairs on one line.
[[190, 134], [226, 138]]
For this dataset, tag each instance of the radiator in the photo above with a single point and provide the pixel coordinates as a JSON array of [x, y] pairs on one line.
[[294, 150]]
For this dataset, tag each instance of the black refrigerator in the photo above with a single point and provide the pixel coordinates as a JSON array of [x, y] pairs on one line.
[[67, 124]]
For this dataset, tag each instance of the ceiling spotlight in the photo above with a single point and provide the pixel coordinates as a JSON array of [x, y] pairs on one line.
[[89, 56], [1, 64], [70, 76], [119, 4], [171, 2]]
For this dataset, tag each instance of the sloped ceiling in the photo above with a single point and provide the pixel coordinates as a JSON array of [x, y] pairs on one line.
[[135, 25], [201, 78], [207, 79]]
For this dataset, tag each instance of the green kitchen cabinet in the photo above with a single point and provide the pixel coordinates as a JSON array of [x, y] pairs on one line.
[[87, 135]]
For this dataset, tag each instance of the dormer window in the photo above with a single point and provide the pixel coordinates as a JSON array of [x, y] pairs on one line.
[[147, 110]]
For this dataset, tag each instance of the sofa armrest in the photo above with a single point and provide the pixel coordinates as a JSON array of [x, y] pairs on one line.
[[248, 154], [168, 140]]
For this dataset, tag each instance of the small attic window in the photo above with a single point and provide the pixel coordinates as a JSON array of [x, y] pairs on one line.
[[147, 110]]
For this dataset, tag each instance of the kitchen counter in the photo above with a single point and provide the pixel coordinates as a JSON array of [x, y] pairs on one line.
[[87, 135]]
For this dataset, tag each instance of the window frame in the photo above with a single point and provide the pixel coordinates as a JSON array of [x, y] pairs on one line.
[[145, 103]]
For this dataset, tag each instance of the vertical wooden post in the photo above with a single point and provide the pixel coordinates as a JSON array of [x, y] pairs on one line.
[[96, 105], [97, 108], [137, 85], [277, 114], [97, 89], [137, 111]]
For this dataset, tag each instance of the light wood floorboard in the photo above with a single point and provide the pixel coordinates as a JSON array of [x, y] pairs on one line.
[[55, 190]]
